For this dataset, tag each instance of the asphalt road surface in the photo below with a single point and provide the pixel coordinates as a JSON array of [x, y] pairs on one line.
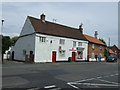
[[61, 75]]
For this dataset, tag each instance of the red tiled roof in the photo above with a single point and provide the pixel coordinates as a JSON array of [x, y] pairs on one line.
[[110, 51], [93, 40], [54, 29]]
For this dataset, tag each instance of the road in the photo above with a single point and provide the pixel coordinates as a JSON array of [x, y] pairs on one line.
[[61, 75]]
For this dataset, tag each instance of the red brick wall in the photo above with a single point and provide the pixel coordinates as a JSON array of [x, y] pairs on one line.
[[114, 48], [96, 50]]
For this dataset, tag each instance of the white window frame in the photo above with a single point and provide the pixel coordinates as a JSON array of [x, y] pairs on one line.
[[62, 41], [42, 39], [93, 46], [93, 55], [74, 43], [100, 47], [79, 43]]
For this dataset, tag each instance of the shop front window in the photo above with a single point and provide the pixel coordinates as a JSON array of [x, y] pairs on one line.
[[79, 54], [62, 53]]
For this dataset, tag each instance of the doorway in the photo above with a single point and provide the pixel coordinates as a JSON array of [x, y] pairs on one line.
[[73, 56], [54, 56], [12, 55], [31, 57]]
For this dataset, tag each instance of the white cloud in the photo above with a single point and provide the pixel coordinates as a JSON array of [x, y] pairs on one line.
[[101, 17]]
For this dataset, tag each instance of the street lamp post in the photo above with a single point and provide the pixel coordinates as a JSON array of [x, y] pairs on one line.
[[1, 40], [2, 26]]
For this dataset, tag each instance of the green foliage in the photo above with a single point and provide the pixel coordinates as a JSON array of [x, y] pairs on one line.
[[106, 53], [102, 40], [6, 43], [13, 40]]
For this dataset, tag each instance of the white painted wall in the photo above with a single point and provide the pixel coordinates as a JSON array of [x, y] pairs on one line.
[[25, 43], [43, 50], [27, 28]]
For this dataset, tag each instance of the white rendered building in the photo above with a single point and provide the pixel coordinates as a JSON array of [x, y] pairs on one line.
[[49, 42]]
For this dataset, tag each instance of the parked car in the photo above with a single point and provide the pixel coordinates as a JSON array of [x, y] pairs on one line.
[[112, 59]]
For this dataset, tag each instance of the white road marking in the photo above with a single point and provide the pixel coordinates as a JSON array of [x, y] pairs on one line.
[[83, 80], [99, 77], [94, 84], [72, 85], [116, 74], [52, 86], [108, 81], [112, 75]]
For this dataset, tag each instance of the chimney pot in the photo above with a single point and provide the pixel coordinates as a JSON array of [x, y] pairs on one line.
[[96, 34], [42, 17], [80, 28]]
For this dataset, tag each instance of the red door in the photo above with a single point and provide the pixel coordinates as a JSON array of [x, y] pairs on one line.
[[73, 56], [53, 56]]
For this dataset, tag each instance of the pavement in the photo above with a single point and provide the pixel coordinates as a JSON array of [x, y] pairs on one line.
[[11, 62], [60, 75]]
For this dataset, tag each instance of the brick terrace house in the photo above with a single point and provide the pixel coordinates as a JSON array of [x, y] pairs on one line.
[[95, 47], [110, 51], [116, 50]]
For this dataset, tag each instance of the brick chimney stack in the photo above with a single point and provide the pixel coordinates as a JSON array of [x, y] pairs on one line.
[[80, 28], [96, 34], [42, 17]]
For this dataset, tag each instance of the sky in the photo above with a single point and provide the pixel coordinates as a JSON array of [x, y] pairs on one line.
[[95, 16]]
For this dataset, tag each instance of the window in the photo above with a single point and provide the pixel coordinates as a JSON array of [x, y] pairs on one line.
[[51, 42], [100, 47], [62, 53], [42, 39], [79, 43], [74, 43], [101, 54], [79, 54], [62, 41], [24, 52], [93, 46], [93, 55]]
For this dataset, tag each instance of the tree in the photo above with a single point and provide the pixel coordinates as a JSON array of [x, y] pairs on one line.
[[6, 43], [106, 52], [102, 40], [13, 40]]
